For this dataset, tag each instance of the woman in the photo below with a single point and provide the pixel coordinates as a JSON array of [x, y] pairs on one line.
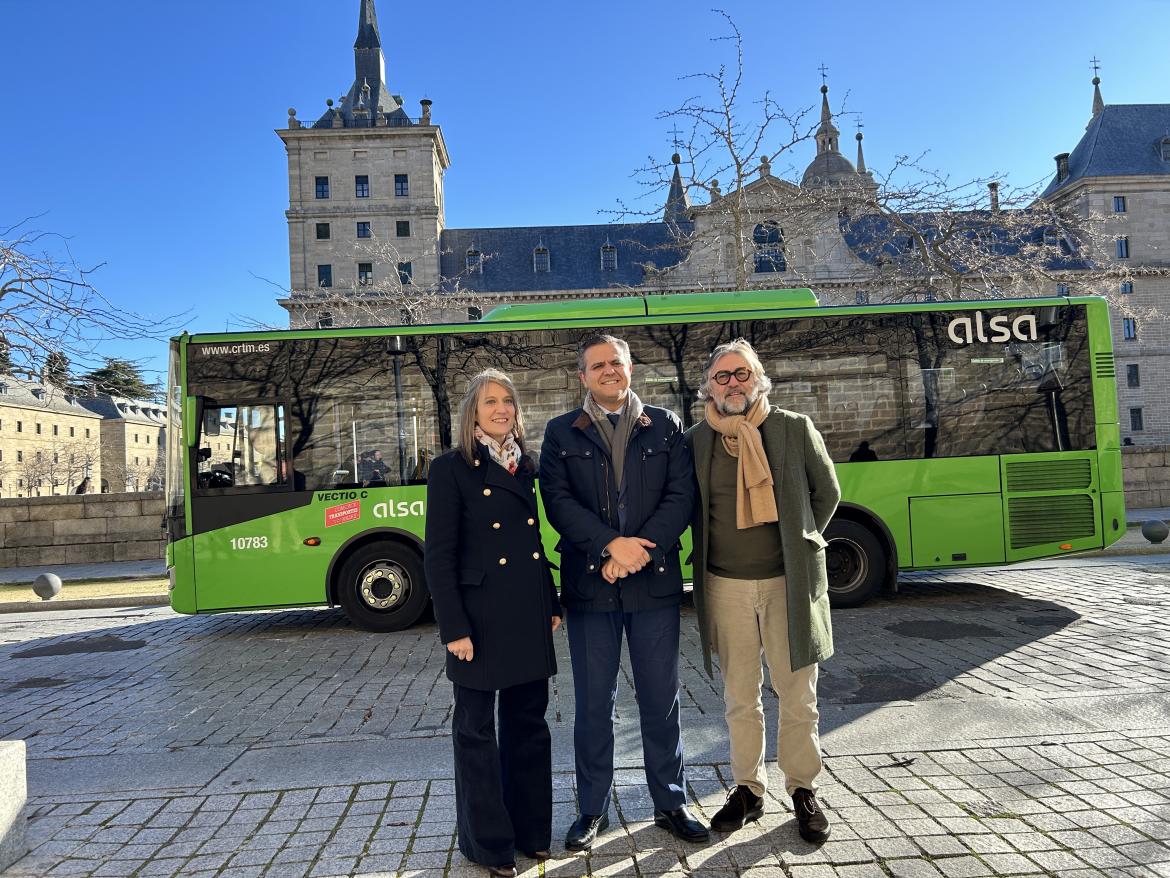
[[497, 609]]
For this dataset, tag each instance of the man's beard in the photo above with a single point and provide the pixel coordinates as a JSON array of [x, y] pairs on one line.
[[747, 401]]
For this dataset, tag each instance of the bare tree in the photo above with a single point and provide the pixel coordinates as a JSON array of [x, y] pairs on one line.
[[908, 232], [49, 305]]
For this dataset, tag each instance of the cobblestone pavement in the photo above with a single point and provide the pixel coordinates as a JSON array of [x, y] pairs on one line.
[[992, 722]]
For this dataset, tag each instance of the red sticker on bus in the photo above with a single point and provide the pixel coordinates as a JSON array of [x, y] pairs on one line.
[[343, 513]]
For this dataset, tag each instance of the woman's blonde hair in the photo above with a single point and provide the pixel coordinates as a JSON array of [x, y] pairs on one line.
[[468, 445]]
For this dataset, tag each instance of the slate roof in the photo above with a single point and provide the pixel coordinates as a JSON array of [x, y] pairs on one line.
[[574, 255], [1122, 140], [369, 63], [874, 237], [38, 396]]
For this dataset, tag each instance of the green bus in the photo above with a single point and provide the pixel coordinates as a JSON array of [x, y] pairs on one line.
[[964, 433]]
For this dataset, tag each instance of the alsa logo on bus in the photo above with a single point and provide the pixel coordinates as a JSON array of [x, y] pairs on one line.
[[400, 509], [965, 330]]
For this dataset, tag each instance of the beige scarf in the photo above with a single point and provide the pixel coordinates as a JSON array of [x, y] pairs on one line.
[[755, 501]]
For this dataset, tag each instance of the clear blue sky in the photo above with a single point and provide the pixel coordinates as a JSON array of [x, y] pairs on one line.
[[144, 131]]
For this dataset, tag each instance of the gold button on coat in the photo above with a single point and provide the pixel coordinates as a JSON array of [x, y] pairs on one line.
[[532, 521], [536, 554], [496, 525], [503, 560], [487, 492]]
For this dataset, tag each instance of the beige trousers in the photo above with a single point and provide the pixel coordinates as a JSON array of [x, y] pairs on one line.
[[745, 617]]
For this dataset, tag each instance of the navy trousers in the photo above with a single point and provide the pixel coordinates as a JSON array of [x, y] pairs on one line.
[[595, 648], [503, 791]]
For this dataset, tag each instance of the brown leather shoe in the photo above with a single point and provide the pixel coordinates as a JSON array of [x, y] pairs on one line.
[[811, 821], [507, 870], [742, 807]]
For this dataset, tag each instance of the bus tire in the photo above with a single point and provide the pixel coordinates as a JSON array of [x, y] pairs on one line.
[[856, 562], [381, 587]]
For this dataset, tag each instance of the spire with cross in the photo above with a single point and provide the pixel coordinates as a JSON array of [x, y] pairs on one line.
[[1098, 101]]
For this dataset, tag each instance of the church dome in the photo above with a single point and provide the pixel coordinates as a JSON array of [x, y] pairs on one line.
[[828, 169]]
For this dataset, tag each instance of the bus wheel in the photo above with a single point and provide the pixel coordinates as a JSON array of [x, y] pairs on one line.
[[856, 562], [381, 587]]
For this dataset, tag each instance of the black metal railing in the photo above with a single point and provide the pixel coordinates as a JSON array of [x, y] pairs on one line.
[[362, 122]]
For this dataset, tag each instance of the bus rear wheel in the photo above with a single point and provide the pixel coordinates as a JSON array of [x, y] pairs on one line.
[[381, 587], [856, 562]]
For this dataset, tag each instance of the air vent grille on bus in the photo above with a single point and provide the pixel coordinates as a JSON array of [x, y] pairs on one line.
[[1033, 521], [1104, 366], [1049, 475]]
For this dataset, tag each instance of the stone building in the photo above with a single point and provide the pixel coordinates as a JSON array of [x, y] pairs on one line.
[[1121, 166], [51, 439], [367, 230], [133, 443]]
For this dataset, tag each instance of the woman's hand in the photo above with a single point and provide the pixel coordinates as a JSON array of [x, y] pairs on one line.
[[462, 649], [556, 622]]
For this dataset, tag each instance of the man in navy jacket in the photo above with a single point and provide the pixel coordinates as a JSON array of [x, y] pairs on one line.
[[618, 486]]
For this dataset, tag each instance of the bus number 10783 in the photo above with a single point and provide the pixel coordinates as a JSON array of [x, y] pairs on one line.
[[249, 543]]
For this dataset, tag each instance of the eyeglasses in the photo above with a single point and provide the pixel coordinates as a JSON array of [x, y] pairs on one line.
[[742, 374]]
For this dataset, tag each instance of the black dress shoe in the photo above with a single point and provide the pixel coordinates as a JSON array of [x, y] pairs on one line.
[[742, 807], [584, 830], [539, 856], [811, 821], [681, 824], [508, 870]]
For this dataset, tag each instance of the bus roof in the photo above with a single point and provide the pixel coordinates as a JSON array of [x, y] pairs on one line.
[[626, 310], [649, 305]]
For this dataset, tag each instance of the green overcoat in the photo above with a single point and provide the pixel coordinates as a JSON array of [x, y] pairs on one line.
[[807, 494]]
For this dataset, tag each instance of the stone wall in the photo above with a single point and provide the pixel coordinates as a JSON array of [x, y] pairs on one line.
[[81, 529], [1146, 469]]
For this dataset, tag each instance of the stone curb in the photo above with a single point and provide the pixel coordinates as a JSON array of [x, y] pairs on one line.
[[142, 600]]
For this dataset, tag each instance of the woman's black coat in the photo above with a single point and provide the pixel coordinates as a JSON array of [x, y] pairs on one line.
[[487, 572]]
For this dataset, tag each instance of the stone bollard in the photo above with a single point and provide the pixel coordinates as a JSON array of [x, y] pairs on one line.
[[47, 586], [1155, 530], [13, 793]]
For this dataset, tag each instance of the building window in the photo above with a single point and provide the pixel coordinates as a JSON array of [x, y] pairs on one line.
[[324, 275], [1165, 149], [862, 297], [325, 320], [361, 186], [405, 273], [71, 434], [1062, 289], [20, 426], [608, 257], [365, 273], [402, 228], [363, 230], [1123, 248], [19, 456], [322, 231], [1129, 328], [401, 185], [769, 240], [1133, 377], [54, 429], [38, 428], [87, 432], [540, 260], [474, 313], [474, 261], [1126, 287], [1119, 204], [1135, 420], [322, 185]]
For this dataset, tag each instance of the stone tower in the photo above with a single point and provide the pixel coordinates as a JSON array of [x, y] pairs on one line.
[[365, 185]]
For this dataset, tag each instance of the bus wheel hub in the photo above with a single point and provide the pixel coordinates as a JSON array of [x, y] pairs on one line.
[[383, 585]]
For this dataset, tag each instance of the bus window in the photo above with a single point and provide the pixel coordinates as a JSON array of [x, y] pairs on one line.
[[242, 446]]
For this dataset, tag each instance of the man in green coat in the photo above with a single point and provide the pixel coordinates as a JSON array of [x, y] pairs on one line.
[[766, 492]]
